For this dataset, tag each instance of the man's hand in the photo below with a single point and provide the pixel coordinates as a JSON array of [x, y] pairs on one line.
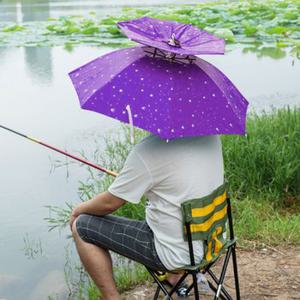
[[102, 204], [75, 213]]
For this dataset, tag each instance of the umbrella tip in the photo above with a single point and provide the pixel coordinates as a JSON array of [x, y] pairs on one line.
[[173, 41]]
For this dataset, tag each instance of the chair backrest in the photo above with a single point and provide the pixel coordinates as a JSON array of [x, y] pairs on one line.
[[205, 219]]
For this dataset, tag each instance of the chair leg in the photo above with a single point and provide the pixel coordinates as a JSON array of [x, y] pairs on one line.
[[160, 286], [235, 271], [176, 286], [190, 288], [215, 290], [195, 283], [156, 293], [224, 291], [223, 272], [220, 291]]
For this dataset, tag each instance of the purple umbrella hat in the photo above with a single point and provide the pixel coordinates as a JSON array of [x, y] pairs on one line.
[[170, 97], [173, 37]]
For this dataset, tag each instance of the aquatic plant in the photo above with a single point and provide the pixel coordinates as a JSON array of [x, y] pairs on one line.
[[13, 28], [32, 247], [273, 22], [58, 216]]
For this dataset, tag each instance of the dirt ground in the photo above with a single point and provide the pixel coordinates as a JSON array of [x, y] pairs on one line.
[[265, 274]]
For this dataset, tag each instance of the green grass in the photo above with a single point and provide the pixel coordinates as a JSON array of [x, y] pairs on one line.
[[266, 163], [257, 222], [126, 278], [80, 286]]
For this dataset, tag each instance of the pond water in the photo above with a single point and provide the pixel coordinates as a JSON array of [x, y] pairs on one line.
[[37, 98]]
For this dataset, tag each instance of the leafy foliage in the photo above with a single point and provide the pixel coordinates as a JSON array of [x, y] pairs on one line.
[[248, 21], [13, 28]]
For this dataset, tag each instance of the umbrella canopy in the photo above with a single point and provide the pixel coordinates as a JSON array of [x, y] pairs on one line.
[[168, 98], [172, 36]]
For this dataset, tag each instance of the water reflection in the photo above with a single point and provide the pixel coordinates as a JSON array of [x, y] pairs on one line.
[[266, 51], [39, 64], [38, 59], [3, 52], [22, 11], [33, 12]]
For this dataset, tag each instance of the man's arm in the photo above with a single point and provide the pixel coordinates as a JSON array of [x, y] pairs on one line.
[[102, 204]]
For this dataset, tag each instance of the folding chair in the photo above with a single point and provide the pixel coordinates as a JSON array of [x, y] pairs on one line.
[[205, 219]]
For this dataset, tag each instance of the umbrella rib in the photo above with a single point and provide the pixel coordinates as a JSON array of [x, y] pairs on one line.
[[157, 32], [181, 30], [201, 43]]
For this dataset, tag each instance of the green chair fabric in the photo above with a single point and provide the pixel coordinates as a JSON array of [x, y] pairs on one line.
[[207, 217]]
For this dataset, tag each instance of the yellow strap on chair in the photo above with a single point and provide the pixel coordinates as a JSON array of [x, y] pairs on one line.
[[207, 224], [210, 253], [204, 211], [218, 243]]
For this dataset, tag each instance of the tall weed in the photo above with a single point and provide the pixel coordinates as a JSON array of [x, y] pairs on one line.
[[266, 161]]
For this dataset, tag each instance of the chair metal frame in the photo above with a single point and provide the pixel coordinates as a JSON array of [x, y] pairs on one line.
[[217, 283]]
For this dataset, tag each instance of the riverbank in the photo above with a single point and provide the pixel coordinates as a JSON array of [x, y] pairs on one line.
[[266, 273]]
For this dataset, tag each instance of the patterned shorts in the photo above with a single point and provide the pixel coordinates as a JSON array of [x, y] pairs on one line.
[[130, 238]]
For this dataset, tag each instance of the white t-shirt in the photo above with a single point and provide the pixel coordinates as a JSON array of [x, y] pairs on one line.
[[169, 173]]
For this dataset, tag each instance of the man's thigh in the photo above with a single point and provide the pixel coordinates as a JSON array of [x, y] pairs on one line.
[[131, 238]]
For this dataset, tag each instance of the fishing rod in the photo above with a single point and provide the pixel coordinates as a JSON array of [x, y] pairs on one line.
[[86, 162]]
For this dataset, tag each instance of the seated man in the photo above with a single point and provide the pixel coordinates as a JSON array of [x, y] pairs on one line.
[[167, 173]]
